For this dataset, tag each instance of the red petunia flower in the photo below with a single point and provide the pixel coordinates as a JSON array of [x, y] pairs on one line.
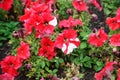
[[47, 42], [10, 64], [105, 72], [34, 16], [70, 23], [80, 5], [47, 48], [118, 75], [113, 23], [115, 40], [67, 41], [23, 51], [47, 27], [6, 76], [6, 4], [98, 39], [39, 19], [47, 52], [44, 31]]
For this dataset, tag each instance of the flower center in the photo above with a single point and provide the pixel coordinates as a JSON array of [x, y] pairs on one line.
[[98, 36], [46, 23], [11, 64], [65, 40], [113, 22]]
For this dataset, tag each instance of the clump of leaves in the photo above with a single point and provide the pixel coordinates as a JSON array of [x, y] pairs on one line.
[[62, 8], [6, 29], [41, 67], [110, 7]]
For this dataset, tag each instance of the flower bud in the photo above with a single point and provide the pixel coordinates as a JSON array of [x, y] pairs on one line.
[[69, 11], [28, 66], [19, 33], [15, 34], [94, 16]]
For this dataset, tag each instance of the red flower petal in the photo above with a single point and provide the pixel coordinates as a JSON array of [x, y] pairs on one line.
[[10, 64], [79, 5], [115, 40], [23, 51], [104, 72], [47, 48], [97, 39], [6, 4], [70, 23], [67, 41], [112, 23], [6, 76]]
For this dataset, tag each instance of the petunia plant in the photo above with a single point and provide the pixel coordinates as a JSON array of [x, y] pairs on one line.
[[55, 40]]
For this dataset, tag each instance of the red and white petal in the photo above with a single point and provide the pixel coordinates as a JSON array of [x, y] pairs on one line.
[[76, 41], [64, 48], [53, 22], [68, 47]]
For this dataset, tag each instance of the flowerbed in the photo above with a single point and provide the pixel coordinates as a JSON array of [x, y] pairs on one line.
[[62, 39]]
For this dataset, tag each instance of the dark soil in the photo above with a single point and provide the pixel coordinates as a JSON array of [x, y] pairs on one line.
[[99, 19], [89, 74], [21, 76]]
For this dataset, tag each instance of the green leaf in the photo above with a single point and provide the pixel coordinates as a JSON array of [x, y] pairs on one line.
[[83, 34], [48, 64], [57, 64], [113, 77], [86, 59], [88, 64], [42, 64], [77, 61], [97, 68], [80, 75], [54, 71], [60, 60], [99, 63], [83, 45], [47, 69], [107, 11], [1, 44], [3, 38]]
